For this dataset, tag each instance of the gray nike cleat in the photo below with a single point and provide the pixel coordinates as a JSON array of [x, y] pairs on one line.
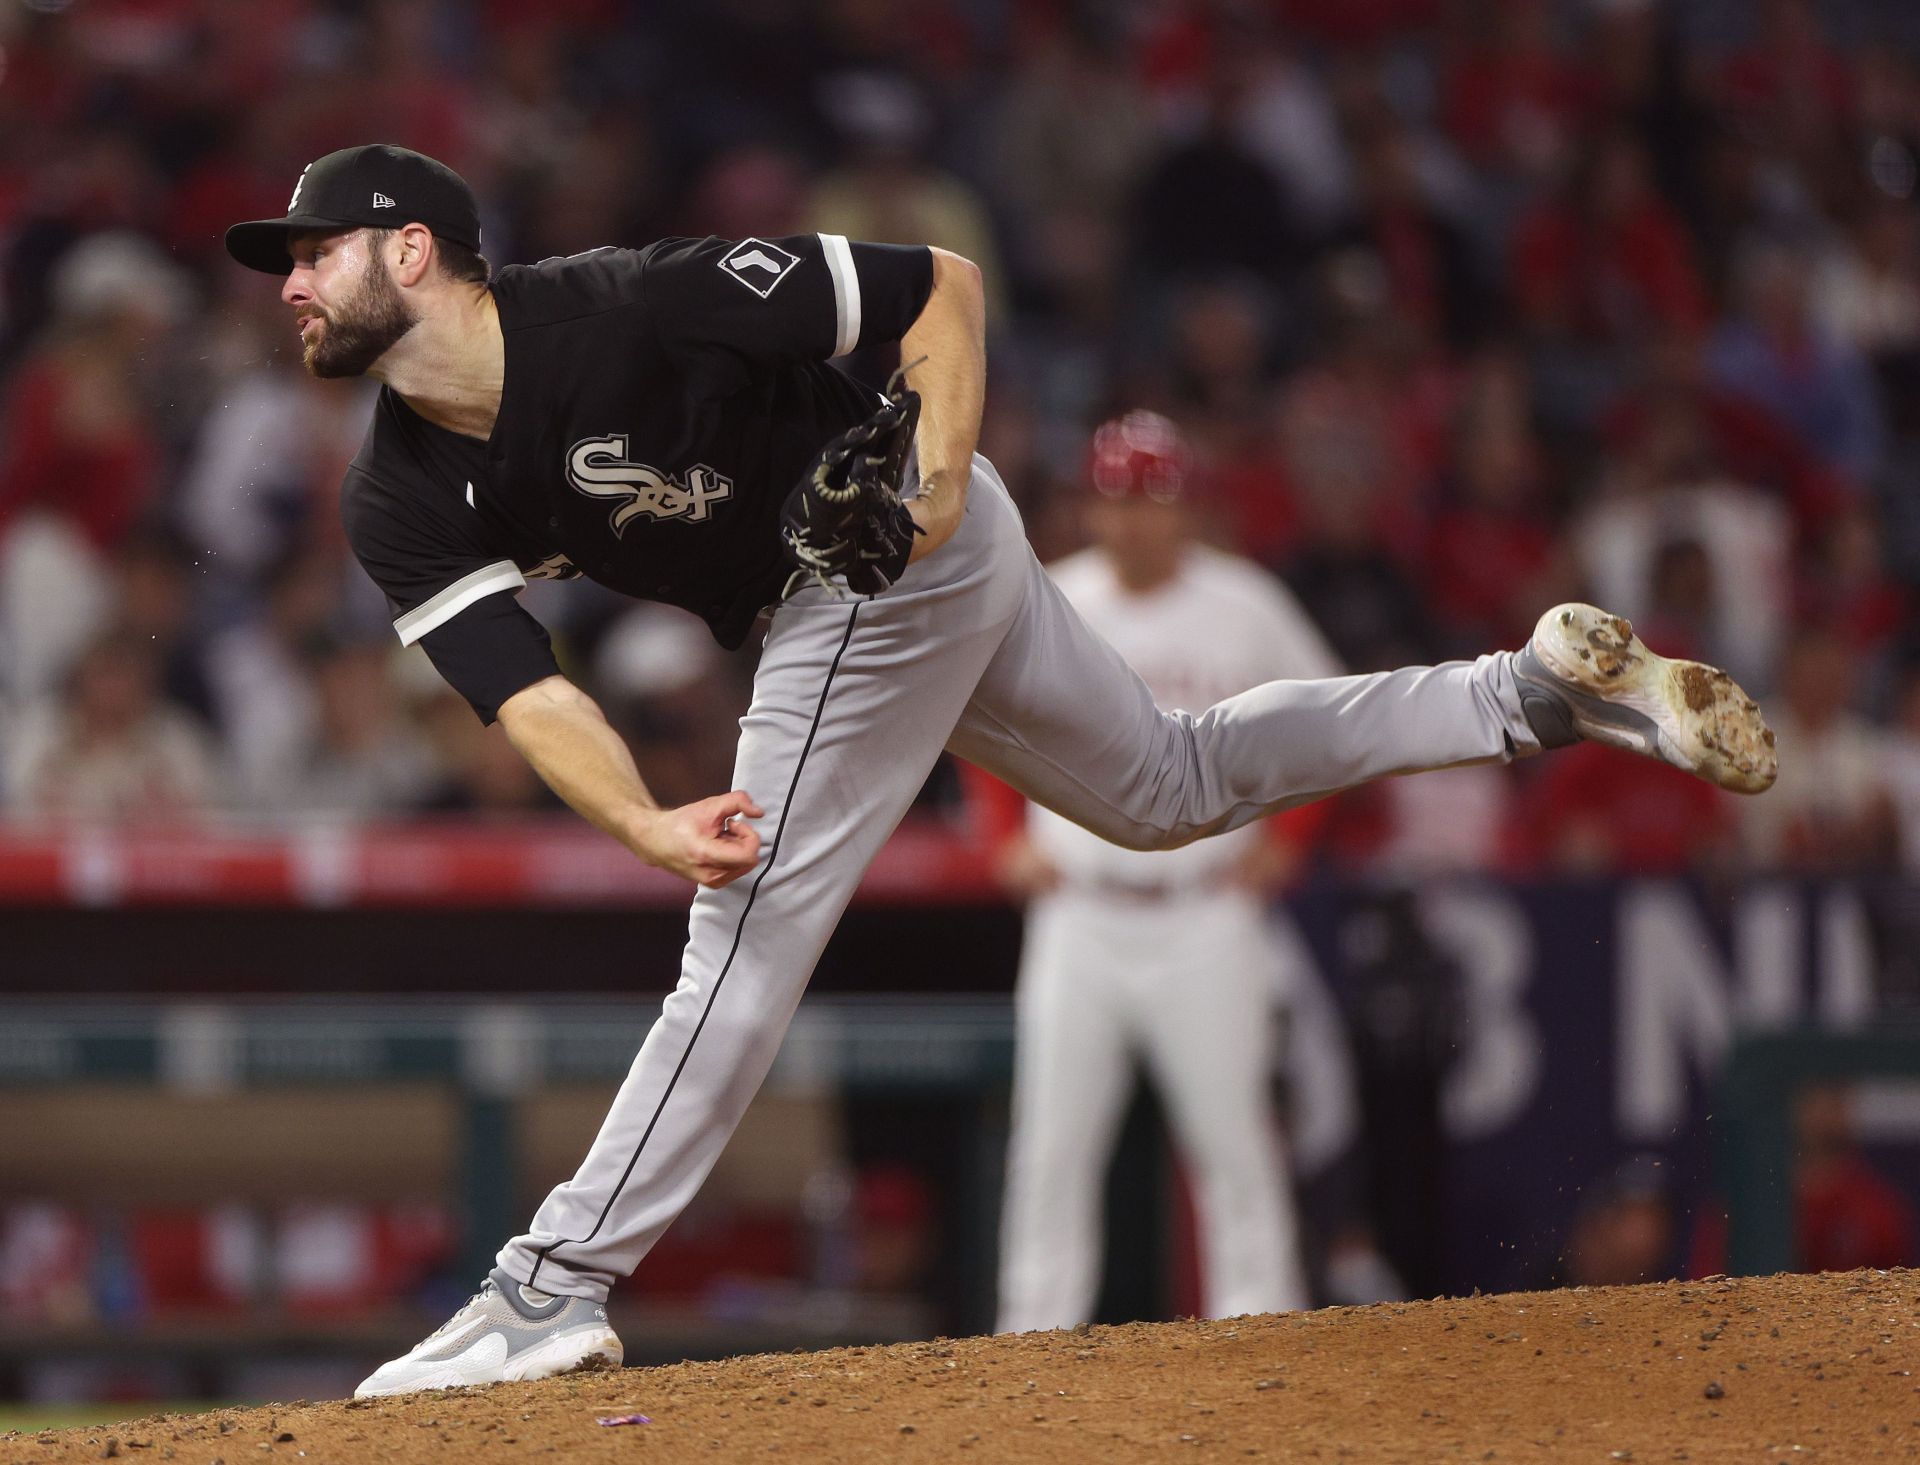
[[1586, 675], [505, 1333]]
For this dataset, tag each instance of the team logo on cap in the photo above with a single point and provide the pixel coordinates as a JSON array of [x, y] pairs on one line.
[[598, 467], [758, 265]]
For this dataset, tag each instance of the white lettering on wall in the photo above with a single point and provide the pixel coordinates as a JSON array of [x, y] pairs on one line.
[[1847, 997], [1497, 1072], [1323, 1094], [1673, 1006], [1680, 996]]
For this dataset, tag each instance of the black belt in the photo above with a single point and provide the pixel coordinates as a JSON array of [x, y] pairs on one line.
[[1144, 891]]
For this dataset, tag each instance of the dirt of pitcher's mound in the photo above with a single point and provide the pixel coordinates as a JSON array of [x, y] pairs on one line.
[[1747, 1369]]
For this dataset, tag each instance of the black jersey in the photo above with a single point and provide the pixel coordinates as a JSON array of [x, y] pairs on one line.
[[657, 406]]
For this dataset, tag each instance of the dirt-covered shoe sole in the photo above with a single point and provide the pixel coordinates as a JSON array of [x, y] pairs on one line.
[[1585, 672], [579, 1350]]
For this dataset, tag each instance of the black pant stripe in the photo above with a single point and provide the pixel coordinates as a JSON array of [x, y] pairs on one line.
[[739, 929]]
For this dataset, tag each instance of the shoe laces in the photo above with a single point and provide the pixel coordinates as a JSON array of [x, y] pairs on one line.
[[460, 1312]]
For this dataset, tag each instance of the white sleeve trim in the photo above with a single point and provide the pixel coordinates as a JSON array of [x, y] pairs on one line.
[[846, 292], [485, 581]]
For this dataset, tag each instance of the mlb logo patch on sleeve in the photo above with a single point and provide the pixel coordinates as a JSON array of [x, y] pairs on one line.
[[758, 265]]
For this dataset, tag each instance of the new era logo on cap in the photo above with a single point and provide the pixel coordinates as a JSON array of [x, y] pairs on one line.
[[381, 201], [758, 265]]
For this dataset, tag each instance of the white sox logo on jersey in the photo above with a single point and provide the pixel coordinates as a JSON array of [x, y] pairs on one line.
[[758, 265], [598, 467]]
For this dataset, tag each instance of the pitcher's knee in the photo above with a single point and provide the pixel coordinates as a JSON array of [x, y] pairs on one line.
[[1154, 830], [1170, 828], [1138, 836]]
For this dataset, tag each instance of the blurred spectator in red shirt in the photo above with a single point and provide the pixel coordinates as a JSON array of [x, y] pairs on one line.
[[1846, 1214], [249, 176], [1250, 496], [80, 440], [1513, 101], [1215, 374], [894, 1232], [1368, 421], [83, 180], [80, 456], [403, 88], [1492, 559], [1361, 25], [1595, 810], [1789, 84], [1844, 584], [1356, 465], [1607, 261], [759, 187], [1850, 1216]]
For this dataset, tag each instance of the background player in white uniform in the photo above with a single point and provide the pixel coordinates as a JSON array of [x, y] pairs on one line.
[[1160, 954]]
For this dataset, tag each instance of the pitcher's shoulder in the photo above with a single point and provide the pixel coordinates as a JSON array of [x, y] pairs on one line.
[[569, 287]]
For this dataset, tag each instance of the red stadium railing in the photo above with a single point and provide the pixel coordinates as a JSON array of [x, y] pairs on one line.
[[359, 866]]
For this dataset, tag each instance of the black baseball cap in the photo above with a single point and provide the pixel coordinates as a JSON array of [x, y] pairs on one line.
[[376, 185]]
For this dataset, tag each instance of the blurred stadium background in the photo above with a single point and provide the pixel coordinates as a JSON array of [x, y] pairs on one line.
[[308, 990]]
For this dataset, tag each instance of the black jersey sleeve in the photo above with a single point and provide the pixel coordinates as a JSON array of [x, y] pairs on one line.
[[447, 591], [800, 297]]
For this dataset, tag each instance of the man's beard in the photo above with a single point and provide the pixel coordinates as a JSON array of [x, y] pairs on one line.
[[363, 329]]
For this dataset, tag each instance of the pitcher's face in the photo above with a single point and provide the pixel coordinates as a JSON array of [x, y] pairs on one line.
[[349, 310]]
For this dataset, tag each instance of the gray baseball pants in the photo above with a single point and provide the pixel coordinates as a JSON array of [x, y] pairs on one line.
[[974, 650]]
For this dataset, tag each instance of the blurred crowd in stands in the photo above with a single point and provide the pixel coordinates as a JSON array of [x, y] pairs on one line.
[[1470, 306]]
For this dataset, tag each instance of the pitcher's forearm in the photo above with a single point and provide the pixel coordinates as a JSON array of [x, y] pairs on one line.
[[951, 334], [563, 734]]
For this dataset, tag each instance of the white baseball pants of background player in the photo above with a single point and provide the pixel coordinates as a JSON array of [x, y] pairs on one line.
[[974, 649], [1185, 982]]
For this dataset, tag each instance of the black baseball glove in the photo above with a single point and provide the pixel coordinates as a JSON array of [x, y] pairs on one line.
[[844, 519]]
